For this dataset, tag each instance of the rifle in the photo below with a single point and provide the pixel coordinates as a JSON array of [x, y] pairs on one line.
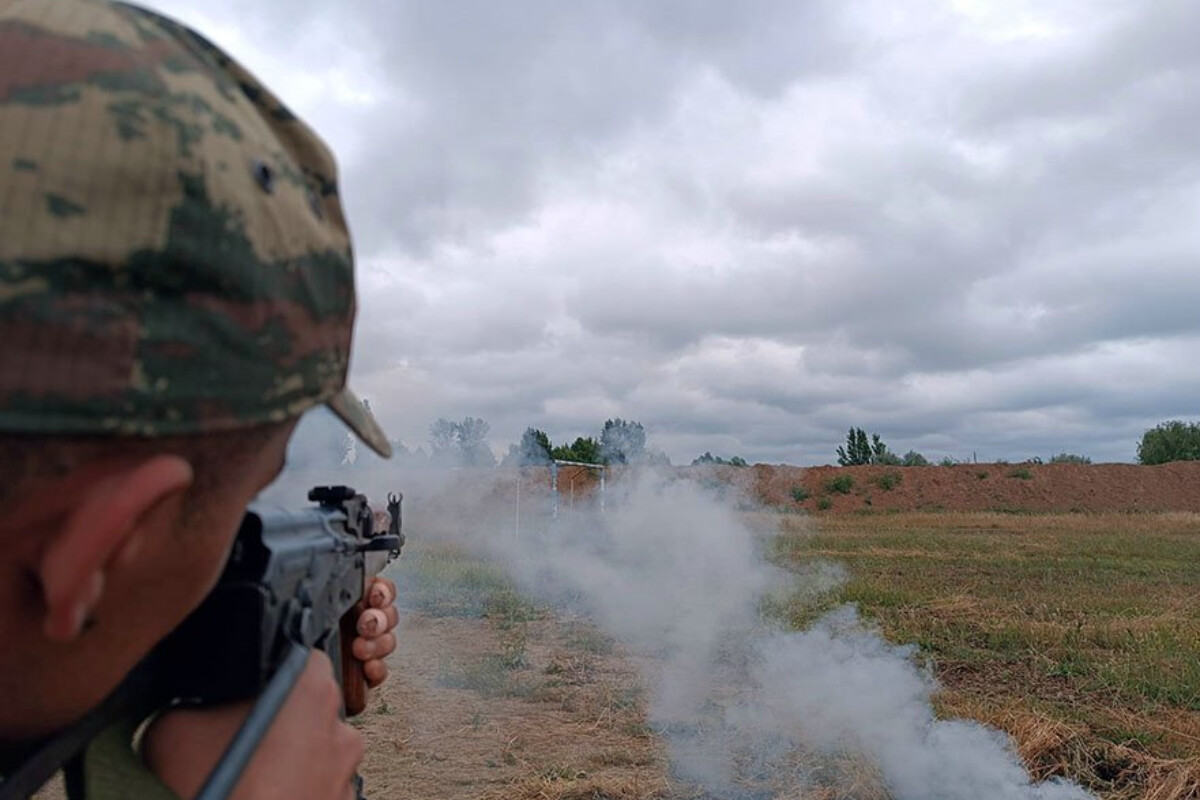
[[294, 581]]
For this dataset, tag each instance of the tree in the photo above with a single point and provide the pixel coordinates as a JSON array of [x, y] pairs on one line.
[[1069, 458], [1170, 441], [860, 450], [584, 449], [622, 442], [857, 450], [472, 443], [443, 441], [533, 449], [880, 454], [461, 443], [656, 458], [914, 459]]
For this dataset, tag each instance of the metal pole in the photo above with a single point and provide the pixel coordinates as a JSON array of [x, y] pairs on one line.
[[554, 489]]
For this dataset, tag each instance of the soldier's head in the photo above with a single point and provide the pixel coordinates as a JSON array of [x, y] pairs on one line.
[[176, 288]]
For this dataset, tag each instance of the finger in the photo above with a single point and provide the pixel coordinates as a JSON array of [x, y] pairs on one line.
[[367, 649], [372, 623], [382, 593], [375, 671], [393, 617]]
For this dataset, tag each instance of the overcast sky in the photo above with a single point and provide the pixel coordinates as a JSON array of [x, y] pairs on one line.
[[971, 226]]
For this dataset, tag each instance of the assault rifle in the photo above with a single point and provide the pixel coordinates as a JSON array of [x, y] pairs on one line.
[[295, 580]]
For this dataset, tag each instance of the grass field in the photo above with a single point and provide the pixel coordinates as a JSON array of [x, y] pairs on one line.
[[1078, 634]]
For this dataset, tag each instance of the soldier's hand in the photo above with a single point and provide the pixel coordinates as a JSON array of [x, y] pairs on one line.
[[309, 753], [375, 640]]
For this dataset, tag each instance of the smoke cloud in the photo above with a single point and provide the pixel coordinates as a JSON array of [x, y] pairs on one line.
[[749, 710]]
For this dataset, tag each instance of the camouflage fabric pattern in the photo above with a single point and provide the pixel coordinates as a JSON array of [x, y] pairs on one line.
[[174, 257]]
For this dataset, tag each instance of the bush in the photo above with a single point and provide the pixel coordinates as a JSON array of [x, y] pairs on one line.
[[1022, 473], [800, 494], [842, 484], [824, 504], [949, 461], [914, 459], [1170, 441], [889, 480], [1069, 458]]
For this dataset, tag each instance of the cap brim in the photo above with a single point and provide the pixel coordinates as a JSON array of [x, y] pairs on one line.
[[358, 417]]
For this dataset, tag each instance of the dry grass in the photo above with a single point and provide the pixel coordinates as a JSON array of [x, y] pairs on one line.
[[580, 786], [1077, 634], [493, 696]]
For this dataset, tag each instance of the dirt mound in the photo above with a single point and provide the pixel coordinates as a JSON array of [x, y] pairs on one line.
[[1040, 488]]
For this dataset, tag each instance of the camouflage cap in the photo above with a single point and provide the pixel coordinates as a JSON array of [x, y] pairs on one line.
[[173, 254]]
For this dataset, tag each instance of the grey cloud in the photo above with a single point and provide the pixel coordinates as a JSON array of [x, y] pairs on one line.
[[505, 99], [1117, 53], [756, 224]]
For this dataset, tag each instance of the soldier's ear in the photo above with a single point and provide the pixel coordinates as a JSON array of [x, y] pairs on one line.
[[104, 527]]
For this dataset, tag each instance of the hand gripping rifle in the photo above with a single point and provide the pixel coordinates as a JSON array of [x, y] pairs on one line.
[[294, 581]]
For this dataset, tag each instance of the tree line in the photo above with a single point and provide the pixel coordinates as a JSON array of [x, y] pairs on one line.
[[618, 442], [324, 443], [1174, 440], [464, 443]]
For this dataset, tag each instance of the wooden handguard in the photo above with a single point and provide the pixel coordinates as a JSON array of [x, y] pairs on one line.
[[354, 680]]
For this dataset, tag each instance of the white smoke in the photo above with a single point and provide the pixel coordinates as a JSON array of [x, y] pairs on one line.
[[840, 685], [749, 710], [674, 573]]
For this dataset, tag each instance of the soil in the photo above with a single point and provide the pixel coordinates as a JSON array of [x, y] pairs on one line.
[[1020, 488], [568, 723]]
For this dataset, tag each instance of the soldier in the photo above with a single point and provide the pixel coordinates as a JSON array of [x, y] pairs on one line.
[[176, 288]]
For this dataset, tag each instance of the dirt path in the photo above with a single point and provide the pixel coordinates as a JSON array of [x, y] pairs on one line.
[[543, 709]]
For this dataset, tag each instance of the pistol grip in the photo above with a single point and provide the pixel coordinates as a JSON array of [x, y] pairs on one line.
[[354, 681]]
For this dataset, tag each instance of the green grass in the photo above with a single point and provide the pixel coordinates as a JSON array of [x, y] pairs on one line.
[[490, 676], [1092, 620], [840, 484], [889, 480], [586, 637], [444, 581]]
